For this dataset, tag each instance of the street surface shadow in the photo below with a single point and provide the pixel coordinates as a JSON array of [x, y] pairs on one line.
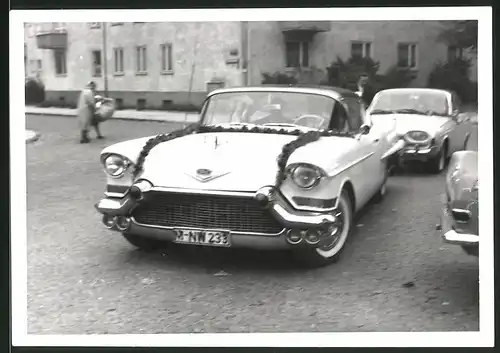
[[211, 259], [414, 169], [243, 260]]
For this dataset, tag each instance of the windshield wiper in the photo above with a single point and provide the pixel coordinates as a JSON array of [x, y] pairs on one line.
[[382, 111], [410, 111]]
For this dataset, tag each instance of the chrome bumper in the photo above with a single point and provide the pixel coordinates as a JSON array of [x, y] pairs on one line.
[[451, 236], [238, 240], [278, 207], [116, 206], [418, 154]]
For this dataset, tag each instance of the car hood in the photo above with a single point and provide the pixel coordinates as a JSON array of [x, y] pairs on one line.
[[403, 123], [237, 161]]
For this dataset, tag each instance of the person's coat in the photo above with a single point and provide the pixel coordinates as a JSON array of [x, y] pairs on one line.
[[85, 109], [367, 94]]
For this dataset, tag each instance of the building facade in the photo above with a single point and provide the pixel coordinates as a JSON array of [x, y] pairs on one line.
[[160, 64]]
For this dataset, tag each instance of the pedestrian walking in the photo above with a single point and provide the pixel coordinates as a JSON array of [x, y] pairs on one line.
[[87, 112], [365, 89]]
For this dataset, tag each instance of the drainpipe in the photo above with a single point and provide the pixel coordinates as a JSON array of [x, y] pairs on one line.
[[105, 58], [249, 54]]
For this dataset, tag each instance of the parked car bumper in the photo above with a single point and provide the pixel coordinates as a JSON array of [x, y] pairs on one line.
[[418, 154], [451, 235]]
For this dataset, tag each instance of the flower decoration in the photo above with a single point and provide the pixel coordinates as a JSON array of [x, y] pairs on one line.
[[303, 139]]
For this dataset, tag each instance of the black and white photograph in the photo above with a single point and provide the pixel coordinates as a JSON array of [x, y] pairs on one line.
[[234, 177]]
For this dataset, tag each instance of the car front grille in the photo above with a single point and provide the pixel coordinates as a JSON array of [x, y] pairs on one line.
[[237, 214]]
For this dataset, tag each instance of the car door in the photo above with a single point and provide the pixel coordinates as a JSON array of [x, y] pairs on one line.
[[370, 169]]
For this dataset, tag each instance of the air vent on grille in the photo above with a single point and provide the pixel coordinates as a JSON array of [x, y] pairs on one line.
[[237, 214], [460, 215]]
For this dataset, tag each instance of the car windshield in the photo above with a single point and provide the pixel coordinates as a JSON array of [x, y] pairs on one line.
[[410, 102], [269, 108]]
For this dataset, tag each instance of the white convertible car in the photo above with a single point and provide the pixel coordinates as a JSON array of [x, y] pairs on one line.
[[428, 120], [265, 167]]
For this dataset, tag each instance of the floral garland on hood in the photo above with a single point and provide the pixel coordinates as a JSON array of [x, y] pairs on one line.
[[303, 139]]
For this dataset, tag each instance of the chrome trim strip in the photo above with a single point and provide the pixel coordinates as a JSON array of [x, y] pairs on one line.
[[194, 228], [202, 191], [352, 164]]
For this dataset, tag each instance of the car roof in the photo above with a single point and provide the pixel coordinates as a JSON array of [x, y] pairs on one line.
[[329, 91], [416, 89]]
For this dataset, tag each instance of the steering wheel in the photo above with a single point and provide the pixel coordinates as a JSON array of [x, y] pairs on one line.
[[319, 120]]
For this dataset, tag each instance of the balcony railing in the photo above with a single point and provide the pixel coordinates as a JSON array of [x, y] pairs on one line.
[[53, 39]]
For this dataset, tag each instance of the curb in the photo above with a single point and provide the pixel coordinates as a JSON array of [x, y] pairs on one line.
[[113, 118], [33, 138]]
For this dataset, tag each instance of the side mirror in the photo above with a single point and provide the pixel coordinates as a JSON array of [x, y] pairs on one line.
[[364, 129]]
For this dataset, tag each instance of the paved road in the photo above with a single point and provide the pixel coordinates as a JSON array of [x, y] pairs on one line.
[[85, 279]]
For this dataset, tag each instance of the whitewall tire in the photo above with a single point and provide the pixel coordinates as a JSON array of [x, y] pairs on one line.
[[330, 249]]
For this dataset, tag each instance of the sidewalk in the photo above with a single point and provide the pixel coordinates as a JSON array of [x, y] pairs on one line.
[[146, 115]]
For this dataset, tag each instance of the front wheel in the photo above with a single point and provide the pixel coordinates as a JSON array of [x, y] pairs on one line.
[[330, 248], [436, 164]]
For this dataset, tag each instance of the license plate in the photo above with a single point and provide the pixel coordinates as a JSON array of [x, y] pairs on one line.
[[203, 237]]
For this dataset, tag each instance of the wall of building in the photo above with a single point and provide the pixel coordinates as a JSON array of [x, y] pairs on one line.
[[267, 45], [233, 52], [215, 41]]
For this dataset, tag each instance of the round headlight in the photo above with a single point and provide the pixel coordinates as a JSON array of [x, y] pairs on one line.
[[115, 165], [306, 176], [417, 136]]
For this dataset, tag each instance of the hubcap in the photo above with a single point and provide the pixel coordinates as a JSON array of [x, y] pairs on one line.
[[334, 233]]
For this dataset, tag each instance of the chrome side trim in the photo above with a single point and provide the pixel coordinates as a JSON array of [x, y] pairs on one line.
[[352, 164], [194, 228]]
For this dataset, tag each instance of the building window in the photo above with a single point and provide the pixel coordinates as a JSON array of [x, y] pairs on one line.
[[60, 62], [95, 24], [96, 63], [407, 56], [166, 58], [118, 57], [361, 50], [297, 54], [141, 57], [39, 65], [455, 53]]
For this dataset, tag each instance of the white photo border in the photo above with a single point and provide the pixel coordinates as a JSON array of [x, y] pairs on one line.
[[483, 338]]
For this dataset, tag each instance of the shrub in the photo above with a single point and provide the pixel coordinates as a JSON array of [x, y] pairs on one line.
[[346, 74], [278, 78], [34, 90], [454, 76]]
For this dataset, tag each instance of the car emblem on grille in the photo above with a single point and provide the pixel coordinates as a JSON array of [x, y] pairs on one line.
[[204, 174]]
